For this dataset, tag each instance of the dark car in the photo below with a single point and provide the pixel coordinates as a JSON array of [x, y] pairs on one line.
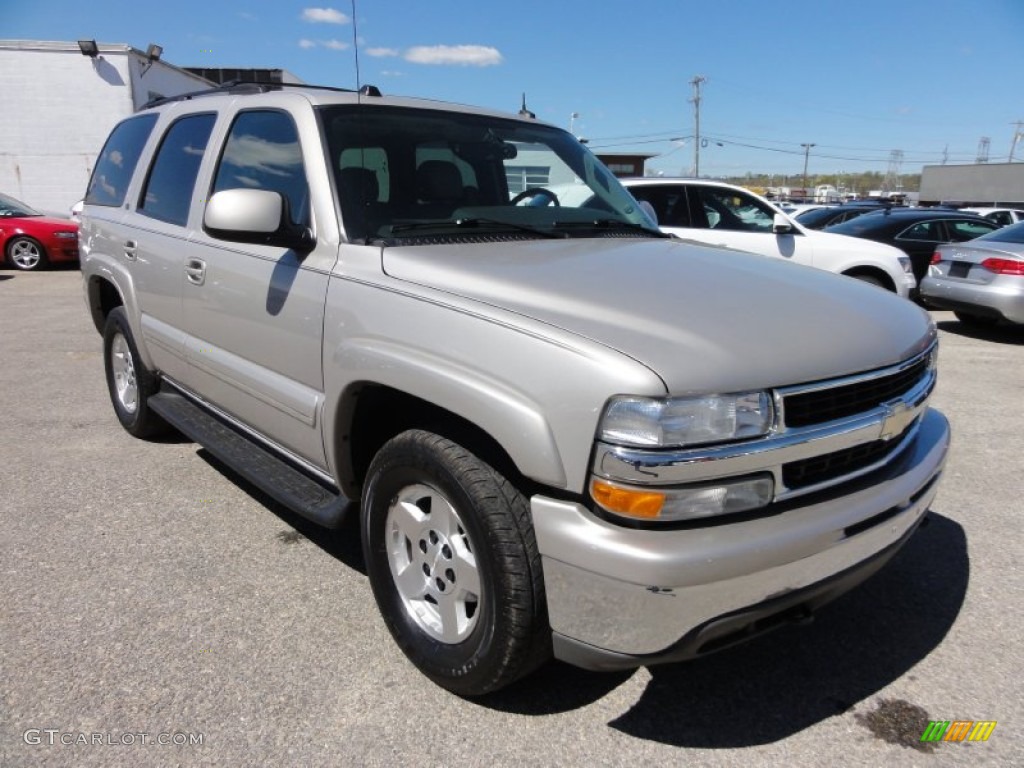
[[30, 240], [819, 218], [916, 231]]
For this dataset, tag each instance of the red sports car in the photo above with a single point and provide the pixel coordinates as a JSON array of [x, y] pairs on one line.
[[30, 240]]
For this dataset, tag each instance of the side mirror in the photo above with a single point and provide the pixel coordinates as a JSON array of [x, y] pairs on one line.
[[781, 225], [647, 208], [255, 216]]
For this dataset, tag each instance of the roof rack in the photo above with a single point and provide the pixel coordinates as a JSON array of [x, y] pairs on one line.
[[251, 86]]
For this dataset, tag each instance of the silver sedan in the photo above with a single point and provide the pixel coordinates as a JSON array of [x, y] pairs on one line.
[[981, 280]]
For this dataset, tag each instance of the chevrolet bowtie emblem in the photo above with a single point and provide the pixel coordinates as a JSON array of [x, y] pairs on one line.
[[898, 416]]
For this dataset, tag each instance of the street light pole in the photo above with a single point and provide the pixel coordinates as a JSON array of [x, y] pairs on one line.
[[572, 121], [696, 83], [807, 154]]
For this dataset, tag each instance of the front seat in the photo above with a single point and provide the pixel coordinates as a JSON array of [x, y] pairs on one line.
[[439, 189]]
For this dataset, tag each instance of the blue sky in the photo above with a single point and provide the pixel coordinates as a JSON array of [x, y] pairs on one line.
[[858, 78]]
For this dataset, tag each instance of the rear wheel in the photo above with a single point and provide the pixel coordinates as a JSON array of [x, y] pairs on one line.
[[26, 254], [976, 321], [129, 383], [453, 563]]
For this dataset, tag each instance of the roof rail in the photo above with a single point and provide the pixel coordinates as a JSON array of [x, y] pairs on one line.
[[244, 87]]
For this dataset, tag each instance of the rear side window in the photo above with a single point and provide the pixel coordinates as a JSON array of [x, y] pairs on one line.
[[116, 163], [959, 231], [924, 230], [172, 177], [263, 152]]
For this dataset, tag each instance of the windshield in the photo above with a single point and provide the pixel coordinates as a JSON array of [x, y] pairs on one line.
[[406, 174], [10, 207], [1011, 234]]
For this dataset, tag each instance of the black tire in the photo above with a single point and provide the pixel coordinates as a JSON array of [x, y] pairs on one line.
[[26, 254], [976, 321], [871, 280], [126, 375], [453, 563]]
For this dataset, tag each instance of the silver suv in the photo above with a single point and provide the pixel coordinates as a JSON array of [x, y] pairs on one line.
[[566, 432]]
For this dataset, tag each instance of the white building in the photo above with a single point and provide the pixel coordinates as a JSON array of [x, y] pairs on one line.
[[60, 101]]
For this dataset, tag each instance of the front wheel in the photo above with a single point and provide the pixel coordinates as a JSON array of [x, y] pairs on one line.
[[453, 563], [26, 254]]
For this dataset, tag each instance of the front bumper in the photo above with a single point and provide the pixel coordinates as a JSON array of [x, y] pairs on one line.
[[623, 597]]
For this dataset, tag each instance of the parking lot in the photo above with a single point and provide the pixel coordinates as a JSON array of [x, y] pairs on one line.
[[157, 610]]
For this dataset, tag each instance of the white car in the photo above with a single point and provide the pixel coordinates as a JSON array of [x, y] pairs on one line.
[[1001, 216], [723, 214]]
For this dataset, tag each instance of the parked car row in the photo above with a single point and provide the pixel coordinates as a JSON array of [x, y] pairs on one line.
[[723, 214], [915, 231], [29, 240]]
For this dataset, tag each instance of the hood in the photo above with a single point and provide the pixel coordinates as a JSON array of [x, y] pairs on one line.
[[702, 318]]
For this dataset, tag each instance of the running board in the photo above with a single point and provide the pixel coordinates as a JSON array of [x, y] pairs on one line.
[[278, 478]]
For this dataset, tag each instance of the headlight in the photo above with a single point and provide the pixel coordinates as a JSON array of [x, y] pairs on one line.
[[684, 421], [65, 235], [905, 263]]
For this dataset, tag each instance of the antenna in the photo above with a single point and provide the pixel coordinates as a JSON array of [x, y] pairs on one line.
[[355, 46], [523, 111]]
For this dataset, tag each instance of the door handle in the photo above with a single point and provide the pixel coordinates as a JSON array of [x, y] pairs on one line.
[[195, 271], [131, 250]]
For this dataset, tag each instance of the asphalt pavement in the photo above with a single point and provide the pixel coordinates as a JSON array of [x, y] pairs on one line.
[[157, 611]]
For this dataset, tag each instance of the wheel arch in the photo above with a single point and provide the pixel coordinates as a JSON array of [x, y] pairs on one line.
[[102, 296], [371, 413], [873, 272]]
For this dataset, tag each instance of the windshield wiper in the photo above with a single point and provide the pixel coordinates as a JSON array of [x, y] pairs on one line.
[[477, 221], [472, 223], [608, 223]]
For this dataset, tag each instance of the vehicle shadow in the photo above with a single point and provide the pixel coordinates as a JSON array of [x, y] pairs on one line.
[[342, 543], [759, 692], [790, 679], [1001, 334]]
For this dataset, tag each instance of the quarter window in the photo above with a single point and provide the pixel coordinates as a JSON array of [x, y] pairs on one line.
[[263, 152], [118, 158], [172, 177]]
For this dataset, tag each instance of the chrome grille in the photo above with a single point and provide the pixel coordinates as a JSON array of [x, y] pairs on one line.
[[821, 405]]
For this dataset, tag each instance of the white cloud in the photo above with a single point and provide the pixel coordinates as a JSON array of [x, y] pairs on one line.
[[381, 52], [324, 16], [463, 55], [334, 45]]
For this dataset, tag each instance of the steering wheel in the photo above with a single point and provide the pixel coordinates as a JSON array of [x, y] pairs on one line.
[[535, 192]]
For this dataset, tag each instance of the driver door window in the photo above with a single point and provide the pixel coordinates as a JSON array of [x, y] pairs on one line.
[[732, 210]]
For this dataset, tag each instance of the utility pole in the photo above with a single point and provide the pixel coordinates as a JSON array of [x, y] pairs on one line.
[[1017, 133], [696, 83], [807, 155]]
